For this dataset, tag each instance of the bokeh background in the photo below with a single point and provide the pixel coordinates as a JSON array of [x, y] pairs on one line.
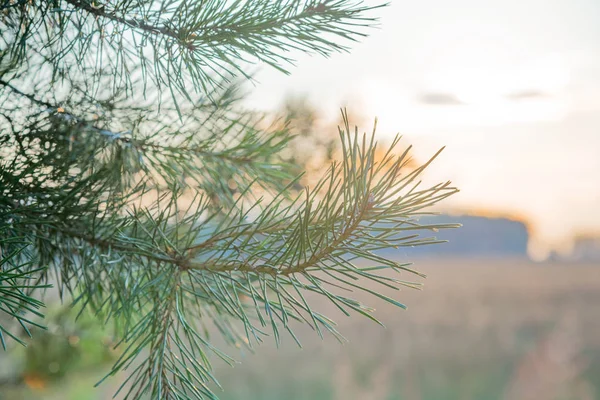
[[510, 87], [511, 305]]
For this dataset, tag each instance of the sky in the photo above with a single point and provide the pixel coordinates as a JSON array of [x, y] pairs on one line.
[[510, 87]]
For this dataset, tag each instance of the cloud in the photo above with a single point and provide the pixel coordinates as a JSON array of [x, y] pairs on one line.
[[440, 99], [527, 95]]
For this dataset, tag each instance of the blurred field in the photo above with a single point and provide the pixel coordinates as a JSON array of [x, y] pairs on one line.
[[479, 330]]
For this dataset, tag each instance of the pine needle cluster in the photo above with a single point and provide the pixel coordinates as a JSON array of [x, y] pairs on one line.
[[134, 185]]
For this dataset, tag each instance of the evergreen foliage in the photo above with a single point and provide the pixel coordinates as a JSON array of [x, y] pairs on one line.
[[132, 182]]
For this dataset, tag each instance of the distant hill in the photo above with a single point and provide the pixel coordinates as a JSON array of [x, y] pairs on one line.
[[478, 237]]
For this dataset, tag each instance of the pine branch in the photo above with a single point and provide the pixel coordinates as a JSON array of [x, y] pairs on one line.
[[122, 137], [185, 47], [16, 300], [26, 95], [215, 142], [100, 11], [145, 267], [163, 214]]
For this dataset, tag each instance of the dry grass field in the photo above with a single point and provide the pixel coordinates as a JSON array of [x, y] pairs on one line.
[[478, 330], [507, 330]]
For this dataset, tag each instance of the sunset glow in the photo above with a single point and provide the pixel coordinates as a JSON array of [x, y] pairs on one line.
[[510, 88]]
